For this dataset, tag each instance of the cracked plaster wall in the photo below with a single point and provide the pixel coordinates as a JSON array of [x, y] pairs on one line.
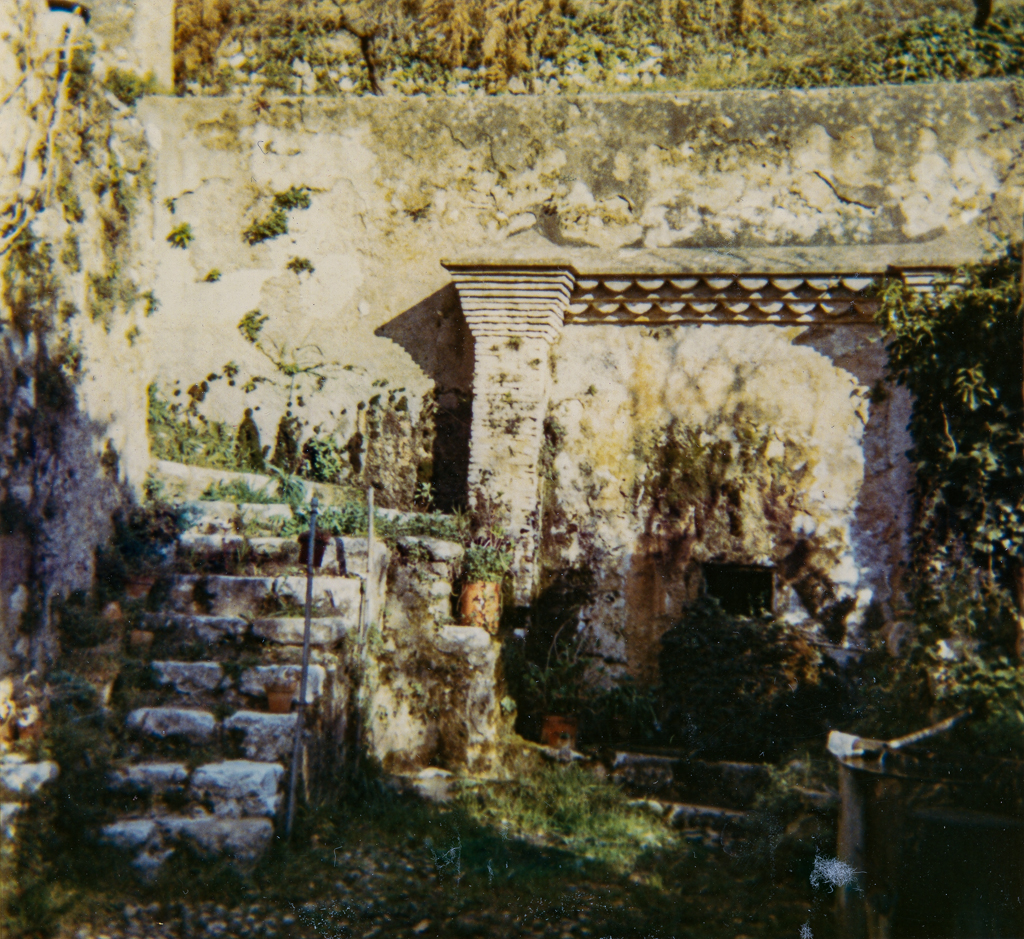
[[400, 183], [823, 501]]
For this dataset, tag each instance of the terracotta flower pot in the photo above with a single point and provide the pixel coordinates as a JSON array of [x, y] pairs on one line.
[[557, 731], [480, 605], [320, 543], [280, 695], [138, 588], [139, 640]]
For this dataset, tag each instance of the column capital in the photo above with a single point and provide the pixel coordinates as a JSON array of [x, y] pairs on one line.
[[502, 302]]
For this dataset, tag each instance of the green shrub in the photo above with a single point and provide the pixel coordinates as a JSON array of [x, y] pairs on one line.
[[239, 491], [180, 433], [79, 622], [744, 687], [323, 459], [300, 265]]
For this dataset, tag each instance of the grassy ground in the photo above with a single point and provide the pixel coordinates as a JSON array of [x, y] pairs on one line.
[[557, 854]]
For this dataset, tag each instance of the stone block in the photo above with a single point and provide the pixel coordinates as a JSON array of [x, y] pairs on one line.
[[150, 777], [472, 642], [194, 726], [189, 677], [264, 736], [237, 788], [255, 680], [149, 862], [129, 834], [244, 840], [8, 812], [287, 630], [26, 779], [221, 595], [446, 551], [284, 550], [209, 629]]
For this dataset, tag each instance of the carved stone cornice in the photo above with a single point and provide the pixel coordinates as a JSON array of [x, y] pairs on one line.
[[733, 298]]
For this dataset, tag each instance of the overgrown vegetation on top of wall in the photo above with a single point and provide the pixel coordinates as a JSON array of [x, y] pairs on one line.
[[458, 46]]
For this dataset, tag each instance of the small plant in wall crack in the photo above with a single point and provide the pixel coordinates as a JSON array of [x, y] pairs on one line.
[[275, 223], [182, 236]]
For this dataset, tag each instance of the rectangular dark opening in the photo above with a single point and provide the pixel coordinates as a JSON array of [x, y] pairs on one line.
[[742, 590]]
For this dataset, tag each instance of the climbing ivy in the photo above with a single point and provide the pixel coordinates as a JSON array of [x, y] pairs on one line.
[[959, 351]]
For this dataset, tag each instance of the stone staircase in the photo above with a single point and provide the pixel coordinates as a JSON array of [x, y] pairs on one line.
[[203, 765]]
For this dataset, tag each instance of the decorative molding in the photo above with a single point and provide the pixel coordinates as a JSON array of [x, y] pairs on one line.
[[741, 299], [505, 302]]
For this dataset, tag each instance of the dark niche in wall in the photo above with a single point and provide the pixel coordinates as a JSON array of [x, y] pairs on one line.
[[742, 590]]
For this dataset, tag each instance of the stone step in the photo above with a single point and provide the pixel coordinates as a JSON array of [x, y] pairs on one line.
[[210, 547], [175, 724], [258, 734], [682, 780], [197, 678], [223, 595], [20, 780], [324, 631], [226, 789], [214, 517], [153, 841], [207, 629]]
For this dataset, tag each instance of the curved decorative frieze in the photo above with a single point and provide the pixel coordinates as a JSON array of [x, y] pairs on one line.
[[723, 298]]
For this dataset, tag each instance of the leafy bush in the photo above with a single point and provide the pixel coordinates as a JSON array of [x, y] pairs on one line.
[[79, 622], [742, 687], [297, 197], [323, 460]]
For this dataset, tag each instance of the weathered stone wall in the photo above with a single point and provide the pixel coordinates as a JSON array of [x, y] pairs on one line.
[[927, 175], [766, 445], [74, 200], [397, 184]]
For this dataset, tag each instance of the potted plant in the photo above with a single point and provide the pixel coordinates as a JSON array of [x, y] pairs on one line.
[[557, 691], [485, 565], [280, 694]]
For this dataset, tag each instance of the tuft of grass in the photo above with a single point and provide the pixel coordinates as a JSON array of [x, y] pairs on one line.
[[266, 228], [212, 276], [181, 236], [300, 265]]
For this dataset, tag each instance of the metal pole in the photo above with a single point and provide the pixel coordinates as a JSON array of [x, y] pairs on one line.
[[300, 715], [369, 562]]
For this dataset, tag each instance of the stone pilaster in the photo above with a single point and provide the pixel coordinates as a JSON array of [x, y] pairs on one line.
[[514, 315]]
